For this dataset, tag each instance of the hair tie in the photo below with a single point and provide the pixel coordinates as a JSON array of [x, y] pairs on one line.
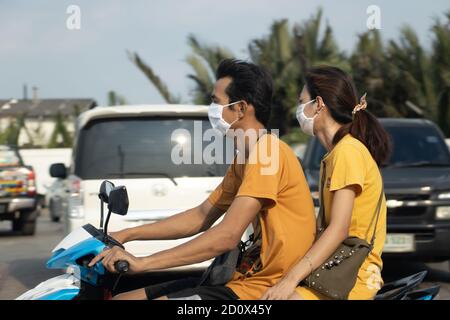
[[362, 105]]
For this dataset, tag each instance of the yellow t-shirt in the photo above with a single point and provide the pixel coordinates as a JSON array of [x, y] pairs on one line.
[[287, 225], [350, 163]]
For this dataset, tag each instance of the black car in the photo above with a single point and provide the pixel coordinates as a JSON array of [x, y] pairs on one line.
[[417, 186]]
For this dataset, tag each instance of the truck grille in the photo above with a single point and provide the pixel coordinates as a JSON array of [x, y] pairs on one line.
[[407, 211], [408, 197]]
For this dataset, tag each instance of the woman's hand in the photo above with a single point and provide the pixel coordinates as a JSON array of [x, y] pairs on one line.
[[281, 291], [109, 256]]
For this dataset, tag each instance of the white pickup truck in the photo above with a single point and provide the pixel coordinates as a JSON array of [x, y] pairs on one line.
[[131, 146]]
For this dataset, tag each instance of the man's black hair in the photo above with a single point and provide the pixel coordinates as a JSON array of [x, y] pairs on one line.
[[250, 83]]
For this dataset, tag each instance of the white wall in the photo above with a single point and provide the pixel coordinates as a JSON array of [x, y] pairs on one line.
[[41, 159]]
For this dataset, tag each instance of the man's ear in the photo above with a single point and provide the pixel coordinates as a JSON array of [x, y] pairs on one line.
[[242, 108]]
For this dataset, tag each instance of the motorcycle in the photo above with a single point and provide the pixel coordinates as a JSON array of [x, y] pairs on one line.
[[74, 253], [81, 282]]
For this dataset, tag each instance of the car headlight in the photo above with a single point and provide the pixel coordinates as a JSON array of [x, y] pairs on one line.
[[443, 213], [444, 196]]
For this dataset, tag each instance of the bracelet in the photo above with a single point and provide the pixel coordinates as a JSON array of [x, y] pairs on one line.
[[310, 263]]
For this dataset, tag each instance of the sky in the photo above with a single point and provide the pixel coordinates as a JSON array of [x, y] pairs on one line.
[[38, 49]]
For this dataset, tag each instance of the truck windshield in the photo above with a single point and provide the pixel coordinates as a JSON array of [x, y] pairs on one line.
[[142, 147], [412, 147]]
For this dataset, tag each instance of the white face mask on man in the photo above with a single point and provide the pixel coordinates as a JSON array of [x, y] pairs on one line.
[[306, 124], [215, 115]]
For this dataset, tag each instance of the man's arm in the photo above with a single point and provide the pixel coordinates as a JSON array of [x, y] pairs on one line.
[[216, 240], [181, 225], [219, 239]]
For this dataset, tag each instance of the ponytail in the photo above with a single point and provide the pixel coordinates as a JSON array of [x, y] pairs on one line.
[[366, 128]]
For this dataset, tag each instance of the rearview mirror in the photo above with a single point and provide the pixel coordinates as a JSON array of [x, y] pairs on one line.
[[105, 189], [58, 170], [118, 200]]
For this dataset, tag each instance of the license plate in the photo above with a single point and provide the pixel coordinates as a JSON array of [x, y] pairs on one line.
[[399, 242]]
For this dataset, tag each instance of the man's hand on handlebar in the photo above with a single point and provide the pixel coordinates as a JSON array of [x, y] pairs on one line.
[[110, 256]]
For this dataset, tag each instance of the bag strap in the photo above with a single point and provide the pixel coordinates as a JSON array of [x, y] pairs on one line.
[[321, 216], [377, 216]]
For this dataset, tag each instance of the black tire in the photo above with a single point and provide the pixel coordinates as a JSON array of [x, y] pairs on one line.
[[26, 224], [16, 225], [29, 228], [52, 208]]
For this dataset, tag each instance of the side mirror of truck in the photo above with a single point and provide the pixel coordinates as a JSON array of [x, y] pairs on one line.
[[58, 170]]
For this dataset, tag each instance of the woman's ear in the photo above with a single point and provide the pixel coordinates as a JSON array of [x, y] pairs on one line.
[[320, 104]]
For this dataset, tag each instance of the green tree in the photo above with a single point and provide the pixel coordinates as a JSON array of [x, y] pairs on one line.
[[61, 137], [288, 54], [440, 71], [203, 60], [402, 79], [114, 99], [11, 134]]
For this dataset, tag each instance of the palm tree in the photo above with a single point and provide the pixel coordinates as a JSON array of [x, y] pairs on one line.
[[204, 61], [401, 78], [288, 54], [315, 50], [440, 71], [411, 67], [275, 53], [154, 79], [372, 74]]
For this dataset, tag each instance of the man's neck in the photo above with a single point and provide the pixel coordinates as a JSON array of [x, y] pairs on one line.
[[256, 130]]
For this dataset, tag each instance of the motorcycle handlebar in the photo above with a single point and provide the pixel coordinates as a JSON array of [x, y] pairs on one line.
[[122, 266]]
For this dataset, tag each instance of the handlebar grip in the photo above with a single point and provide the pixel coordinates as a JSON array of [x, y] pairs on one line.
[[122, 266]]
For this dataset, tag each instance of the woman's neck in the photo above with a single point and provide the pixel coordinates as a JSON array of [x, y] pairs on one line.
[[326, 136]]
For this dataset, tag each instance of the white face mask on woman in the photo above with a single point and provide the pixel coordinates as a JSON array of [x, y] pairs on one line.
[[306, 124], [215, 115]]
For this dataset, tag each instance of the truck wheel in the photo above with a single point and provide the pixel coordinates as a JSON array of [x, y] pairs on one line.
[[26, 224]]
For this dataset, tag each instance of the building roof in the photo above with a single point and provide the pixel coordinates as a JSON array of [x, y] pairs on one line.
[[44, 107]]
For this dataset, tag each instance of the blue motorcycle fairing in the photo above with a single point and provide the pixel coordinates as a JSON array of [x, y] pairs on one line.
[[62, 259], [63, 294]]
